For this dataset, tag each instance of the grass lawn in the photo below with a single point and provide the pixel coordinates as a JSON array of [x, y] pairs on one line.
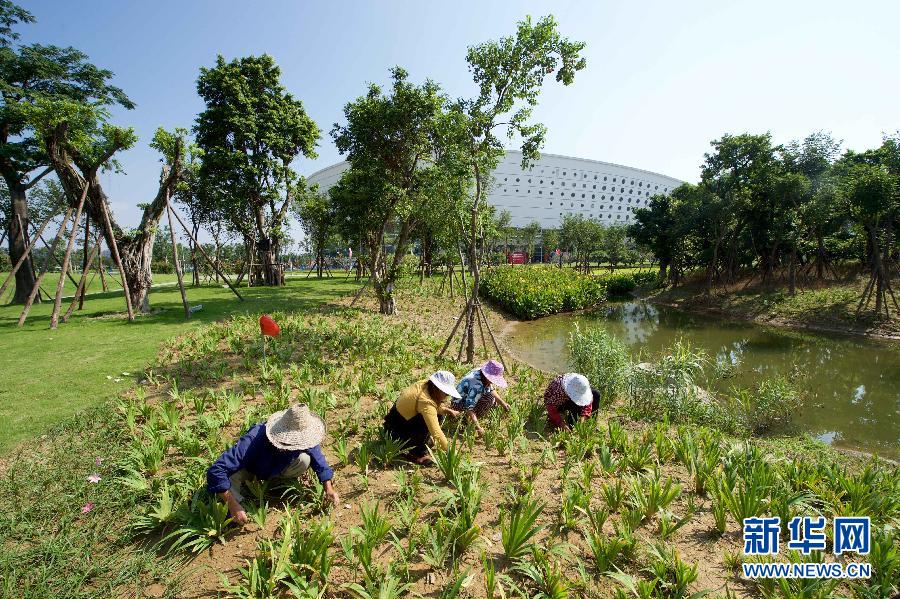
[[94, 284], [50, 375], [830, 305], [117, 494]]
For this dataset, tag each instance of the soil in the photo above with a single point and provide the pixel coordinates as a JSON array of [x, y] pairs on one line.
[[696, 542]]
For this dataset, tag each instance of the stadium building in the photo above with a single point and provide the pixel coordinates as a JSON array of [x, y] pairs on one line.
[[555, 186]]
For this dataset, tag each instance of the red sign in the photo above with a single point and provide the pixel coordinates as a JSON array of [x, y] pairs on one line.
[[517, 258]]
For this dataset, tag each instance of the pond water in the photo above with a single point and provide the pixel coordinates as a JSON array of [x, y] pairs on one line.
[[851, 386]]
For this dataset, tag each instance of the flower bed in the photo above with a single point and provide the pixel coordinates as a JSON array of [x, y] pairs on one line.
[[535, 291]]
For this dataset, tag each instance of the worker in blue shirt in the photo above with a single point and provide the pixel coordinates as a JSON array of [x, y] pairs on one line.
[[286, 446]]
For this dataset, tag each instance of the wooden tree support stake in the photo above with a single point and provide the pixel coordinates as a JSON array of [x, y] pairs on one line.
[[79, 291], [205, 255], [114, 250], [24, 256], [37, 283], [178, 274], [57, 300]]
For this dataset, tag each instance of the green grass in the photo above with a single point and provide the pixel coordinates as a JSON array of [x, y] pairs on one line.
[[830, 305], [50, 375], [94, 284]]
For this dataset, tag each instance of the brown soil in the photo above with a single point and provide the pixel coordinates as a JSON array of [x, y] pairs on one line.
[[696, 542]]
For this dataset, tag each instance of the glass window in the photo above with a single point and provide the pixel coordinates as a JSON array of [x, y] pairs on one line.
[[540, 193], [582, 195], [517, 179], [604, 177], [564, 173], [542, 181], [573, 195], [595, 177], [632, 181], [595, 187]]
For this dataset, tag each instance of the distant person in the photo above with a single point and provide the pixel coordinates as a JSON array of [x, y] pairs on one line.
[[416, 415], [569, 398], [284, 447], [477, 392]]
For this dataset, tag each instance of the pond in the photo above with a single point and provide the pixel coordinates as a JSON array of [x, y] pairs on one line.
[[851, 386]]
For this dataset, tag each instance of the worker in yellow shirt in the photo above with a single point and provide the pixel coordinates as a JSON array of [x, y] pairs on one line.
[[414, 416]]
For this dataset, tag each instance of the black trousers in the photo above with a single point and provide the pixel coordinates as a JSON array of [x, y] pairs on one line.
[[571, 412], [414, 432]]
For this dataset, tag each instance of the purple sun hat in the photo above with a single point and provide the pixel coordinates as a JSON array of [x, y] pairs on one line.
[[493, 371]]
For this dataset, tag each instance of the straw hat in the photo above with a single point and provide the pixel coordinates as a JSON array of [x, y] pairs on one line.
[[295, 428], [578, 388], [446, 382], [493, 372]]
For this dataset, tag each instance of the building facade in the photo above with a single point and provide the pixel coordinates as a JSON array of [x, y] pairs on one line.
[[555, 186]]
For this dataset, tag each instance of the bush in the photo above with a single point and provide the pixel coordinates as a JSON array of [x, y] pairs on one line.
[[162, 267], [619, 284], [5, 262], [533, 291], [602, 358], [771, 407], [646, 278]]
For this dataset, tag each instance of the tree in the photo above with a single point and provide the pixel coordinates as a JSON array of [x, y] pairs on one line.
[[529, 235], [654, 229], [250, 133], [317, 221], [80, 142], [871, 186], [33, 73], [615, 246], [550, 243], [391, 141], [509, 73]]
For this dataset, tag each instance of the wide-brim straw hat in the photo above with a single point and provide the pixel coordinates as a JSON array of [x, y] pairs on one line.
[[578, 389], [446, 382], [295, 428], [493, 372]]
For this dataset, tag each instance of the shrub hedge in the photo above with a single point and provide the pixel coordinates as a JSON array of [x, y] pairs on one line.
[[533, 291]]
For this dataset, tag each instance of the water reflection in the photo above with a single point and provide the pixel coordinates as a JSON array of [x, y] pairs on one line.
[[851, 386]]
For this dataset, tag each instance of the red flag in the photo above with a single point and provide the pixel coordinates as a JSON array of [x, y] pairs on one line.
[[268, 327]]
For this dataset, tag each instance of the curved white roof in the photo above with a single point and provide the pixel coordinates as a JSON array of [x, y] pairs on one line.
[[556, 185]]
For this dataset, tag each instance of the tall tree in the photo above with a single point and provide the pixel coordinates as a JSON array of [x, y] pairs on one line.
[[529, 235], [250, 132], [317, 221], [80, 142], [32, 73], [654, 229], [509, 74], [391, 141], [871, 186]]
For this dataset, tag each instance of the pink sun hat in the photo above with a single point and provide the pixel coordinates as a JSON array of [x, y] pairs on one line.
[[493, 371]]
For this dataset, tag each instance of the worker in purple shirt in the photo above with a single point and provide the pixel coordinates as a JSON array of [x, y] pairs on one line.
[[286, 446]]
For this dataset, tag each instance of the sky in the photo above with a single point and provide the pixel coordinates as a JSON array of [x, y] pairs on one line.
[[663, 78]]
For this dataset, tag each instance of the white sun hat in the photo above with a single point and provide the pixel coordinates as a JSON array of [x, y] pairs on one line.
[[446, 382], [578, 388], [295, 428]]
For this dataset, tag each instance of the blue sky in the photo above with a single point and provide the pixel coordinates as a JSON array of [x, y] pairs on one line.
[[663, 78]]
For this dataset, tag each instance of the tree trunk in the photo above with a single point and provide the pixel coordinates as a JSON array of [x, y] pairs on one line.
[[792, 272], [265, 253], [18, 239]]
